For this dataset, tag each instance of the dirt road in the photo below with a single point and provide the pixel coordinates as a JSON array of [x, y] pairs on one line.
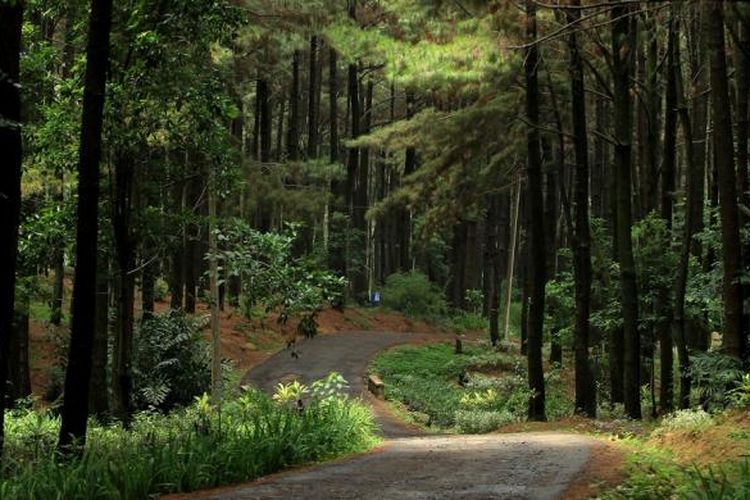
[[409, 465]]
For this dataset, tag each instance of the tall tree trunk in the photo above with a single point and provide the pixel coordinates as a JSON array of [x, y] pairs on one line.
[[292, 142], [19, 377], [265, 121], [535, 207], [734, 338], [78, 374], [333, 110], [694, 197], [585, 383], [177, 278], [512, 250], [11, 19], [623, 54], [98, 388], [404, 217], [352, 167], [125, 253], [361, 190], [666, 348], [216, 379], [313, 101]]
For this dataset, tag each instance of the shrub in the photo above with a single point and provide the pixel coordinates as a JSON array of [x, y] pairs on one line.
[[193, 448], [414, 295], [171, 361], [161, 289], [714, 374], [464, 322], [692, 421], [482, 421]]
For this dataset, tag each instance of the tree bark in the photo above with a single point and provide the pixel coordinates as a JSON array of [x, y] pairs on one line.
[[585, 389], [125, 292], [292, 142], [77, 377], [333, 111], [734, 338], [623, 54], [664, 309], [313, 101], [537, 262]]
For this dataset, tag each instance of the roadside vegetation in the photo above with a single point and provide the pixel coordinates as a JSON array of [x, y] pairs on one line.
[[196, 447]]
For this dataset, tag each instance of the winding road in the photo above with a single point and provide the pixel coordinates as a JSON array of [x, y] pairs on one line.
[[409, 464]]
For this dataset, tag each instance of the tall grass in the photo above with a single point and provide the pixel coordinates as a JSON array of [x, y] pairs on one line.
[[195, 448]]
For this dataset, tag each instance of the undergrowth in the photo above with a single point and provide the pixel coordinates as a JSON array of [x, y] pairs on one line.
[[474, 392], [194, 448]]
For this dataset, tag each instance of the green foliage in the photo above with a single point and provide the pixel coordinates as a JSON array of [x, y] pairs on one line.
[[715, 374], [171, 361], [482, 421], [272, 277], [463, 322], [289, 394], [730, 481], [425, 380], [692, 421], [739, 397], [559, 306], [161, 289], [413, 294], [195, 448]]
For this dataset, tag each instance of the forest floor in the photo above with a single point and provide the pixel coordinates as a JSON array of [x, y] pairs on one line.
[[412, 464]]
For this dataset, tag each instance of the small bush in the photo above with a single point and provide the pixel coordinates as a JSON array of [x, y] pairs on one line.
[[464, 322], [714, 374], [171, 361], [414, 295], [161, 289], [692, 421], [482, 421]]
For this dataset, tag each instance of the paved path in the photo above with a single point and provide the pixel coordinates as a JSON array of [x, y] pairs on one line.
[[409, 465]]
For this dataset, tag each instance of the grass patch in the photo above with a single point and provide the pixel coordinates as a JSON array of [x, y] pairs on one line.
[[195, 448], [691, 454], [475, 392]]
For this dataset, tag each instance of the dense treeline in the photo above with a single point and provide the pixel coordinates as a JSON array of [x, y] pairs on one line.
[[586, 159]]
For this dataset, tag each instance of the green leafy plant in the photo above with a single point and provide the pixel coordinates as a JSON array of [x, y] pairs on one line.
[[171, 361], [193, 448], [413, 294], [714, 374], [692, 421]]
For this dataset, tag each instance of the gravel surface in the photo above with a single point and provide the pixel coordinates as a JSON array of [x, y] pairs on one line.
[[524, 465]]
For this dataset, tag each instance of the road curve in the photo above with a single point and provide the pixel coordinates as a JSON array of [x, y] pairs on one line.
[[409, 465]]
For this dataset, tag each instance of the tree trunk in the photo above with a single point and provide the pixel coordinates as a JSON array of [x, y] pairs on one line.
[[292, 142], [537, 261], [124, 251], [694, 196], [11, 17], [512, 249], [216, 378], [333, 111], [19, 377], [177, 279], [734, 341], [623, 54], [585, 383], [98, 388], [77, 376], [313, 100], [666, 348]]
